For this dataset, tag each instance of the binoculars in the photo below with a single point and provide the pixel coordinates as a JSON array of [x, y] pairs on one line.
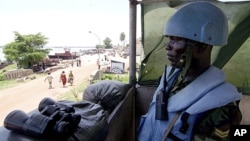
[[52, 120], [59, 112]]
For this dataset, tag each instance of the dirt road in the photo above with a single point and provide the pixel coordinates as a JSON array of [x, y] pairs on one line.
[[26, 96]]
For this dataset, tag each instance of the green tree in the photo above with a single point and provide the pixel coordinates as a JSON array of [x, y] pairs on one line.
[[98, 46], [26, 50], [107, 42], [122, 38]]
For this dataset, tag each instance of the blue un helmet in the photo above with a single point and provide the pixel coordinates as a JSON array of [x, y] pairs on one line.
[[199, 21]]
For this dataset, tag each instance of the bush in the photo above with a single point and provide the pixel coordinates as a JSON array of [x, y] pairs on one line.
[[119, 77], [1, 77]]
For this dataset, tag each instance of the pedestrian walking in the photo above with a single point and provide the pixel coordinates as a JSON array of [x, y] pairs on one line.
[[71, 78], [49, 78], [63, 78]]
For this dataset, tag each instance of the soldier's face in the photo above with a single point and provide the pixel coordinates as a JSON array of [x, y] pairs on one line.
[[175, 49]]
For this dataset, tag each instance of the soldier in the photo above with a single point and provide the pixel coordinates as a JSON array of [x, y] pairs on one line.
[[193, 101]]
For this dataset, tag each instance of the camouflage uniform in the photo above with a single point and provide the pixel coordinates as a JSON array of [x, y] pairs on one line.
[[214, 125]]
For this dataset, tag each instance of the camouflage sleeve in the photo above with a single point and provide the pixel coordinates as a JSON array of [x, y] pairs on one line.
[[214, 125]]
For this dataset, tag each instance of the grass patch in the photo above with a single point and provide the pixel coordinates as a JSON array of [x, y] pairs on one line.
[[75, 93], [10, 67], [7, 68], [8, 84], [124, 78], [5, 84]]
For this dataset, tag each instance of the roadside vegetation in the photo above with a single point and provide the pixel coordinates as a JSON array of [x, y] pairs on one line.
[[4, 84], [26, 50], [76, 92], [7, 83]]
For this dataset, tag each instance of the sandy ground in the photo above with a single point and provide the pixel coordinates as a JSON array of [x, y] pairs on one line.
[[27, 96]]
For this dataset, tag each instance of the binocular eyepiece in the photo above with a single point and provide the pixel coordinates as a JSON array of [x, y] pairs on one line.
[[36, 125], [54, 119]]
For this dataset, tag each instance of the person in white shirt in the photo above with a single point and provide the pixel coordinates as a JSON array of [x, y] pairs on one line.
[[49, 78]]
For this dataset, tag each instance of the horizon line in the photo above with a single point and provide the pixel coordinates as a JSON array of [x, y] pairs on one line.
[[65, 46]]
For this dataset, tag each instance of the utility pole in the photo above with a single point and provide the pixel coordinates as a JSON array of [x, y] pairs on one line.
[[98, 49]]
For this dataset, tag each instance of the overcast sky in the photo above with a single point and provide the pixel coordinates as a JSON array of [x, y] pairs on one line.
[[65, 22]]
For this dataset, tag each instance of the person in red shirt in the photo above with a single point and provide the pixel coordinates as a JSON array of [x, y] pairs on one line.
[[63, 78]]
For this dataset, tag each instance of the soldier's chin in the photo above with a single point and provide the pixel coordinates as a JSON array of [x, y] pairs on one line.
[[175, 65]]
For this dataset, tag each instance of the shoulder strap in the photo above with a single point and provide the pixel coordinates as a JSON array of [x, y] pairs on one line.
[[171, 124]]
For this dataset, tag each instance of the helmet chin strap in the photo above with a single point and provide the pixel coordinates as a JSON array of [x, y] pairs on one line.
[[184, 63], [186, 59]]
